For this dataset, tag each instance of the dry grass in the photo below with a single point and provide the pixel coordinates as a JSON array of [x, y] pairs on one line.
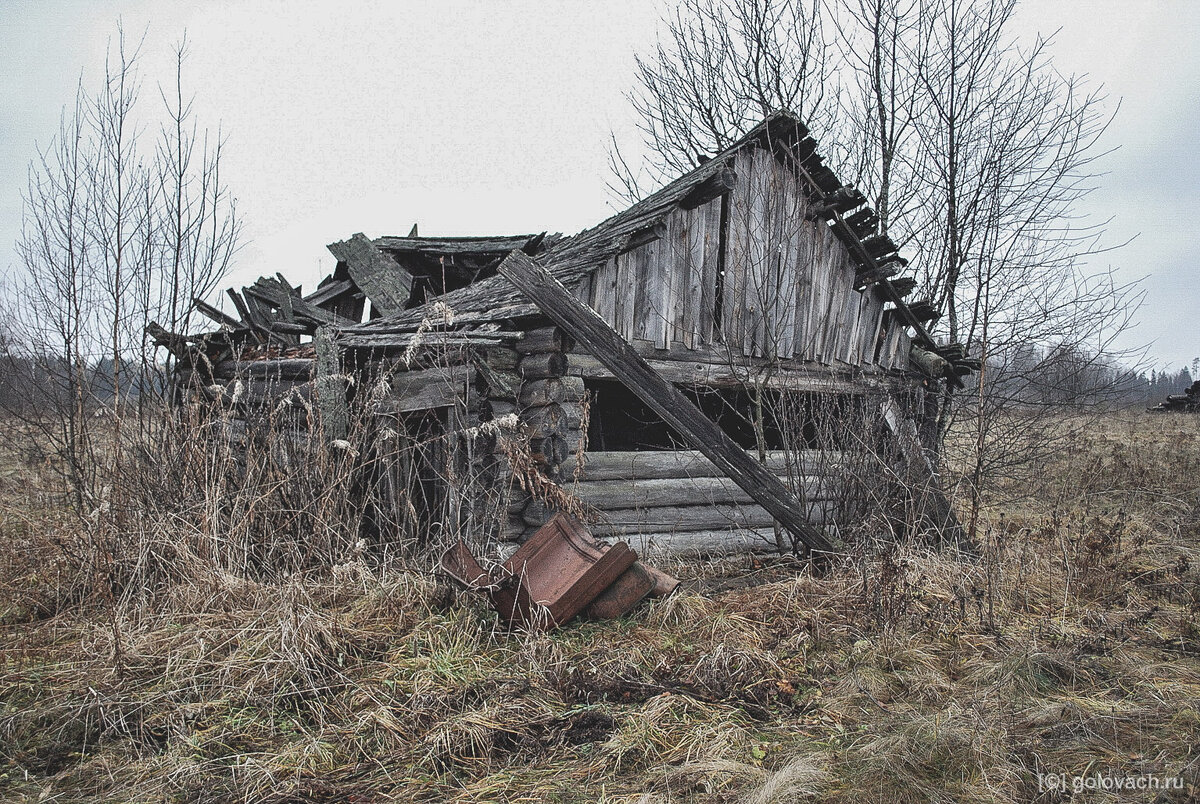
[[1071, 646]]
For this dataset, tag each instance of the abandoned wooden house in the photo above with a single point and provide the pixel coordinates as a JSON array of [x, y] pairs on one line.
[[673, 371]]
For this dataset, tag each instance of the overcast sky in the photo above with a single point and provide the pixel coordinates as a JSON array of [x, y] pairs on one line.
[[494, 118]]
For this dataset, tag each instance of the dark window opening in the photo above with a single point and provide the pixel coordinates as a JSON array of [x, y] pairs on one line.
[[620, 421], [435, 275]]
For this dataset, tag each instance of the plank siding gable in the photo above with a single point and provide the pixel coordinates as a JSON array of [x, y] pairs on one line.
[[699, 432]]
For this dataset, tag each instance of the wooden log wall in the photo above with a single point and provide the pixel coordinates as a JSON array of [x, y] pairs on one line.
[[248, 388], [678, 501], [548, 405], [748, 273]]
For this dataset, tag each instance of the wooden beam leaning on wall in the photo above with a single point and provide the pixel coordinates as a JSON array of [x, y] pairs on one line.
[[925, 483], [386, 284], [594, 334]]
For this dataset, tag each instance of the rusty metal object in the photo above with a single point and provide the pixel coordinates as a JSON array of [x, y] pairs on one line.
[[620, 598], [664, 584], [559, 572], [458, 563]]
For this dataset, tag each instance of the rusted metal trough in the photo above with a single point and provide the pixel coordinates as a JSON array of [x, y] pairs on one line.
[[558, 573]]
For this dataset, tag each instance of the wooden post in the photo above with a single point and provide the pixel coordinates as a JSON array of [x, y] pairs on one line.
[[595, 335], [330, 387]]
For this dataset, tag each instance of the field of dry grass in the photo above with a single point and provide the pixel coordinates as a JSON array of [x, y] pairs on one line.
[[1071, 646]]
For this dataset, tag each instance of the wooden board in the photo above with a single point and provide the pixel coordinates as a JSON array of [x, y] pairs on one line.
[[619, 465], [676, 491], [737, 250], [386, 284], [592, 333]]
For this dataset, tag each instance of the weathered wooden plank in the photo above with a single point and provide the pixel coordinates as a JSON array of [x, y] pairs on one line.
[[328, 292], [624, 465], [665, 399], [672, 260], [691, 267], [697, 544], [425, 389], [583, 289], [624, 290], [386, 284], [297, 368], [216, 315], [872, 319], [719, 375], [737, 257], [805, 282], [788, 229], [707, 321], [900, 359], [824, 268], [643, 301], [891, 332], [605, 291], [677, 491], [766, 223]]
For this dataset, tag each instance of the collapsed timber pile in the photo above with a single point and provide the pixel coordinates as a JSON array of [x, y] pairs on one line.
[[629, 361], [1187, 402]]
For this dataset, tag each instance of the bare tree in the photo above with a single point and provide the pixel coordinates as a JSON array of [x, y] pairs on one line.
[[974, 150], [115, 233], [722, 67]]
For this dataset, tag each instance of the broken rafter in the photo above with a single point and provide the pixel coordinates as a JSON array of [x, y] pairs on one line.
[[216, 315], [386, 284], [700, 432]]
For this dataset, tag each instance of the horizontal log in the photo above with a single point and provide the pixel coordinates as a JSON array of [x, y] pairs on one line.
[[425, 389], [717, 184], [547, 418], [501, 358], [295, 368], [680, 491], [663, 519], [699, 543], [928, 363], [685, 371], [541, 392], [542, 365], [546, 339], [549, 391], [691, 463], [550, 450], [248, 392]]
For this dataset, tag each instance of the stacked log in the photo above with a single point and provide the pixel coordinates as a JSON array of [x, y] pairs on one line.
[[544, 398], [678, 501], [500, 384], [1187, 402], [545, 392]]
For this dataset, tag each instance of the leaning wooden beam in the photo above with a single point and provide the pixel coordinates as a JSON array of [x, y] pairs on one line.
[[929, 496], [594, 334], [386, 284], [216, 315]]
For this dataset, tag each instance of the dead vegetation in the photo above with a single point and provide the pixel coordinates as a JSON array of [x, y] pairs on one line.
[[1072, 646]]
